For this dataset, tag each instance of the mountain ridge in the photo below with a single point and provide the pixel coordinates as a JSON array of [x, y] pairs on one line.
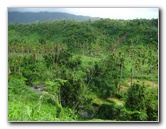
[[30, 17]]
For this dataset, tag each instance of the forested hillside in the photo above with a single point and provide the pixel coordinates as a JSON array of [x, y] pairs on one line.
[[103, 70]]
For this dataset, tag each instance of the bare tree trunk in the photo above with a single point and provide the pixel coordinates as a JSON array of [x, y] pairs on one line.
[[131, 76], [59, 95], [120, 77]]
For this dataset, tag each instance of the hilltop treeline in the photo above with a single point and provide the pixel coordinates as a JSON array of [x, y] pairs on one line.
[[139, 31]]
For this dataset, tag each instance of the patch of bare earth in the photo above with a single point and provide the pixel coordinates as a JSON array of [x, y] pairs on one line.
[[123, 89]]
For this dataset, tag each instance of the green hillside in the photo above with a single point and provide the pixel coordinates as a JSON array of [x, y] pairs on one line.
[[103, 70]]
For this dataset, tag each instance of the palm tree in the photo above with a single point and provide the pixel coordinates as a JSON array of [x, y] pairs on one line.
[[122, 60]]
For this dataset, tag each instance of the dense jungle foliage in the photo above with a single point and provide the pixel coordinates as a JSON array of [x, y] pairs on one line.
[[104, 70]]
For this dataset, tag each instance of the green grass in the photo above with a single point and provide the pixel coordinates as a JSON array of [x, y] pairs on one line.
[[147, 83], [116, 101], [89, 61], [27, 109]]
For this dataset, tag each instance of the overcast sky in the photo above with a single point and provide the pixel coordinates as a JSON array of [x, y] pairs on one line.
[[113, 13]]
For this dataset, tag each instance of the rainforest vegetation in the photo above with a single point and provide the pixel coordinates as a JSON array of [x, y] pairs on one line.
[[103, 70]]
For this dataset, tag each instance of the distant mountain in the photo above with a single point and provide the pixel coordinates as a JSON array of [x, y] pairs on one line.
[[30, 17]]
